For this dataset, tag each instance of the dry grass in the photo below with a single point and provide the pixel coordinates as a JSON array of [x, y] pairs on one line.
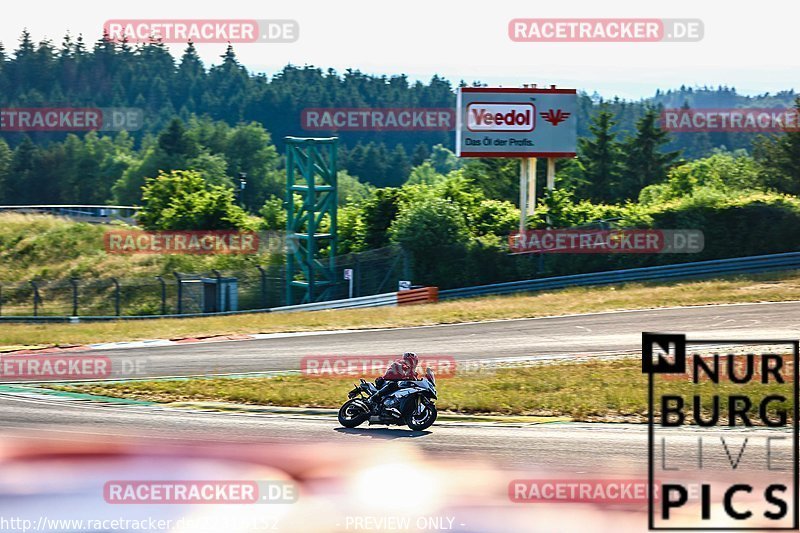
[[590, 391], [36, 246]]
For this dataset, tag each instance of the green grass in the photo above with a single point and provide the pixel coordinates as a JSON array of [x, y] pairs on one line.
[[613, 390], [731, 289]]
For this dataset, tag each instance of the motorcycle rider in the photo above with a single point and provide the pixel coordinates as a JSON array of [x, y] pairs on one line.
[[401, 369]]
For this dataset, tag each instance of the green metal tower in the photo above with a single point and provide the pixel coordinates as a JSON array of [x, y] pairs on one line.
[[310, 226]]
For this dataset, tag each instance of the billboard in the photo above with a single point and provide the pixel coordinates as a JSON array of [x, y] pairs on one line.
[[511, 122]]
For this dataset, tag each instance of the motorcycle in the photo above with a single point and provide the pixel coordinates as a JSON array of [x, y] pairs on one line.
[[412, 404]]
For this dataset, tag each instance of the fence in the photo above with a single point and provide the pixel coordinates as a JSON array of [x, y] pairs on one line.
[[180, 293], [254, 292]]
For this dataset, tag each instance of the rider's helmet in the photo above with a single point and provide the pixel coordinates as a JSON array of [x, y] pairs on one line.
[[412, 359]]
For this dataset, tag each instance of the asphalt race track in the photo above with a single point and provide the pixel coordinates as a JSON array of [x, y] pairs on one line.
[[573, 447], [589, 334]]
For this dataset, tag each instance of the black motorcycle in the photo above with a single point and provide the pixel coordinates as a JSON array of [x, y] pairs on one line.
[[411, 404]]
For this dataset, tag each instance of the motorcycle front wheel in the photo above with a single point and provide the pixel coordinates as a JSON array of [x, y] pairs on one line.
[[423, 418], [351, 414]]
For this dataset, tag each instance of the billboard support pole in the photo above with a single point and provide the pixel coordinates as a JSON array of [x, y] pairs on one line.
[[531, 186], [527, 190], [523, 193], [551, 173], [551, 179]]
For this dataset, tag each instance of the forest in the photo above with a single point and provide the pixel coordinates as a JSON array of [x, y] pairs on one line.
[[207, 127]]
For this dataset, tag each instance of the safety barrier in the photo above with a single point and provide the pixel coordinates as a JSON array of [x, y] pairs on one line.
[[376, 300], [739, 265], [423, 295]]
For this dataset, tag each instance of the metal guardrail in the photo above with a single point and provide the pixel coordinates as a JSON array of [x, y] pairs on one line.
[[739, 265], [89, 213], [376, 300]]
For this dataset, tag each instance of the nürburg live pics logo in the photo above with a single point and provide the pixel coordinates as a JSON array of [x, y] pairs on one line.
[[722, 433]]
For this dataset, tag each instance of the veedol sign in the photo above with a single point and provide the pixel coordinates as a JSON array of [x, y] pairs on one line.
[[506, 122]]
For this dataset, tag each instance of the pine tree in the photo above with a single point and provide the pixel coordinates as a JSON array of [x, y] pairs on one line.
[[601, 159], [779, 158], [645, 163], [421, 153], [5, 166], [176, 143], [20, 182], [399, 166], [190, 77]]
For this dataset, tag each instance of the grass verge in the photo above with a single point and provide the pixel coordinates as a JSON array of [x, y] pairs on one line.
[[595, 391], [732, 289]]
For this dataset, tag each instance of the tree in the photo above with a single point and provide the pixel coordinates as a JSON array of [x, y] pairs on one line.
[[190, 77], [433, 230], [6, 156], [274, 214], [443, 160], [351, 189], [399, 166], [600, 158], [498, 178], [779, 159], [176, 143], [428, 225], [424, 174], [375, 165], [250, 151], [644, 162], [20, 182], [183, 200], [378, 214], [731, 174], [174, 149], [420, 154]]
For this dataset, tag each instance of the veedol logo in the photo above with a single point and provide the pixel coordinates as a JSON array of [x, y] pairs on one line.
[[555, 117], [494, 116]]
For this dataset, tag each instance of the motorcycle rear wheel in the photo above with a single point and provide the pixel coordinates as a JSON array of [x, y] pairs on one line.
[[351, 414]]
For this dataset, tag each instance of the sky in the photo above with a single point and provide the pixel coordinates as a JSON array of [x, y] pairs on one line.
[[749, 46]]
